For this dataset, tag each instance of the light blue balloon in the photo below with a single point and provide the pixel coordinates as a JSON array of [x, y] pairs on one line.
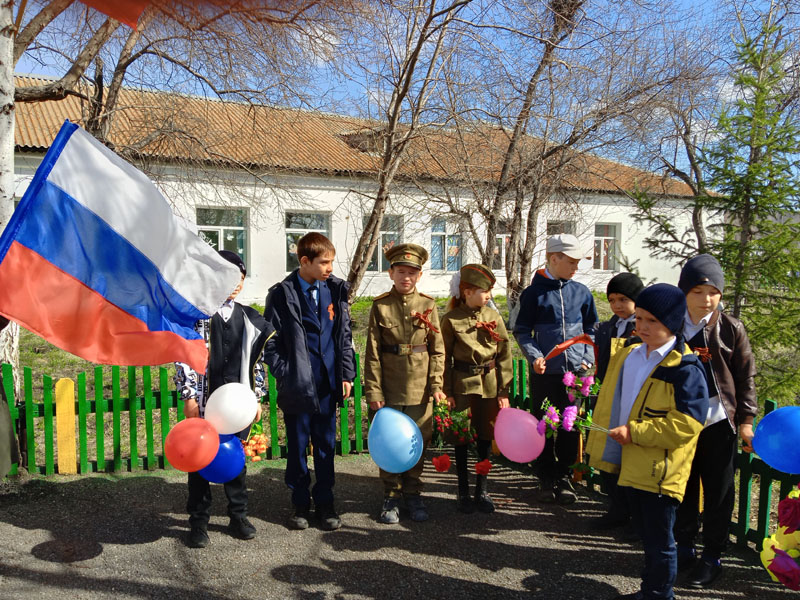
[[228, 462], [776, 439], [395, 441]]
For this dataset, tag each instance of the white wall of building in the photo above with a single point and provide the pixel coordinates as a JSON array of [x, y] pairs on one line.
[[344, 200]]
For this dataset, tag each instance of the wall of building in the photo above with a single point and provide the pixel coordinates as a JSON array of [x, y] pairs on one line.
[[344, 201]]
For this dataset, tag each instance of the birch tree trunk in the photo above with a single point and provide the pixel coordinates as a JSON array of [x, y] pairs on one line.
[[9, 338]]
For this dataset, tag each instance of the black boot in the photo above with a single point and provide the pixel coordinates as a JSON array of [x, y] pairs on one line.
[[465, 504], [482, 499]]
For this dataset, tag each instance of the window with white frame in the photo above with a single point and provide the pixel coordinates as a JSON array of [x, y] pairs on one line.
[[297, 225], [224, 229], [501, 247], [391, 235], [559, 227], [606, 246], [445, 246]]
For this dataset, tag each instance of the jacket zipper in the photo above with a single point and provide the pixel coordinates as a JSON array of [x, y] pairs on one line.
[[563, 322], [666, 468]]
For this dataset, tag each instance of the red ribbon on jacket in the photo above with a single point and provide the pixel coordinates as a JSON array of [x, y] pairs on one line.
[[425, 319], [583, 338], [490, 327], [703, 354]]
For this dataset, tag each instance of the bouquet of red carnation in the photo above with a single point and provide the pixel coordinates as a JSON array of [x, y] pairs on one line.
[[452, 427]]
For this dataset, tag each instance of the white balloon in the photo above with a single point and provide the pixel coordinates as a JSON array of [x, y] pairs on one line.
[[231, 408]]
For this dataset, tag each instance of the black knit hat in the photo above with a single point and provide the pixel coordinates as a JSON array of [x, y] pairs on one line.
[[700, 270], [666, 303], [233, 258], [627, 284]]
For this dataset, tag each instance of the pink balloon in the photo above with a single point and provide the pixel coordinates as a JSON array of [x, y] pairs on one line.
[[516, 435]]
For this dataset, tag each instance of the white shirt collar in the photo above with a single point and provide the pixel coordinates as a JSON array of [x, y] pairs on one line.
[[661, 351]]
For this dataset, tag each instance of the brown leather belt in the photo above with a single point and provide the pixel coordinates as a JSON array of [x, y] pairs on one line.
[[404, 349], [483, 369]]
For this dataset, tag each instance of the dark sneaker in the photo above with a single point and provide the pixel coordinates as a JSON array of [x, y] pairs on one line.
[[197, 538], [328, 519], [484, 503], [564, 492], [465, 504], [242, 528], [390, 511], [546, 492], [417, 508], [299, 520]]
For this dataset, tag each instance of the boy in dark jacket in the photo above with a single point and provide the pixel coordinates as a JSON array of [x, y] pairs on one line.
[[553, 309], [622, 291], [722, 344], [235, 335], [313, 362]]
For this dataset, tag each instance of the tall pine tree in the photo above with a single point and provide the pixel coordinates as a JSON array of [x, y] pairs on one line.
[[753, 170]]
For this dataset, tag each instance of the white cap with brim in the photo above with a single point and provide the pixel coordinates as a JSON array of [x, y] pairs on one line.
[[568, 245]]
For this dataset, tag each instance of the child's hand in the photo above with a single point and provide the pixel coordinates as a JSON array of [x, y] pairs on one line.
[[439, 396], [621, 435], [746, 433], [347, 387], [502, 402], [258, 413], [451, 402], [539, 365], [190, 408], [377, 405]]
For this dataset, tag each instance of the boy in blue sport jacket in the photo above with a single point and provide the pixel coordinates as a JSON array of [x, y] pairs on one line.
[[553, 309], [653, 402], [313, 362]]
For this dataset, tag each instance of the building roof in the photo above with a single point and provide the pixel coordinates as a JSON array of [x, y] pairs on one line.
[[174, 127]]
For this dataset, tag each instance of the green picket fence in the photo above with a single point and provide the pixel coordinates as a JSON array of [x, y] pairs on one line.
[[126, 433]]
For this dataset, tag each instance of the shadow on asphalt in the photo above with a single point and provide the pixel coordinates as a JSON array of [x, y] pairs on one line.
[[548, 548]]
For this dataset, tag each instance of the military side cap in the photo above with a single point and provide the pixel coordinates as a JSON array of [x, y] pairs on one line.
[[411, 255], [478, 275]]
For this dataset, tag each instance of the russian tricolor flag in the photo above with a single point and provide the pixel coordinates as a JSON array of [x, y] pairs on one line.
[[94, 261]]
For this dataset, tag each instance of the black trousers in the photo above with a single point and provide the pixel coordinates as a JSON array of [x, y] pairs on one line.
[[561, 450], [199, 501], [713, 464]]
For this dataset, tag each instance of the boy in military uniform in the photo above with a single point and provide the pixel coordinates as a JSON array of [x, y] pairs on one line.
[[478, 372], [403, 367]]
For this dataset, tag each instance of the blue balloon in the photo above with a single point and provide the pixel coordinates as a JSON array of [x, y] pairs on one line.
[[395, 441], [776, 439], [228, 462]]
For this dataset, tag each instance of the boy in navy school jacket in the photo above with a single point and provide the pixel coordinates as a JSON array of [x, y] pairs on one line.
[[313, 362], [553, 309]]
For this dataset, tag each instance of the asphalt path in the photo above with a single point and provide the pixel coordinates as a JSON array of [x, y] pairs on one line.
[[102, 536]]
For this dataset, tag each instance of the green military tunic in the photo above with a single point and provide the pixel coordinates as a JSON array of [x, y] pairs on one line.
[[468, 341], [404, 355]]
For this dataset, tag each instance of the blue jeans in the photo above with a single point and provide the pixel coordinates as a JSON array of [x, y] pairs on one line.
[[655, 516]]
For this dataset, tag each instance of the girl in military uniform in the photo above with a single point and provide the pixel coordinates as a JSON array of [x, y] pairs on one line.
[[478, 372]]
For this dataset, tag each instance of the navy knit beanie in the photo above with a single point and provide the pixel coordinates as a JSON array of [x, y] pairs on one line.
[[700, 270], [666, 303], [627, 284]]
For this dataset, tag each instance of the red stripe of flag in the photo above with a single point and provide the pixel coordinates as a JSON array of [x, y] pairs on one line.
[[124, 11]]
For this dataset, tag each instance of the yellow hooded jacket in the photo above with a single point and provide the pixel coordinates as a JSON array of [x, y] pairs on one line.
[[665, 421]]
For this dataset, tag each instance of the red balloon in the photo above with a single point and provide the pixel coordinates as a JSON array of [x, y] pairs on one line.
[[191, 445]]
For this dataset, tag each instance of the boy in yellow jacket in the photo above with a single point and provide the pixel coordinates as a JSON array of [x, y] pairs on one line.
[[654, 402]]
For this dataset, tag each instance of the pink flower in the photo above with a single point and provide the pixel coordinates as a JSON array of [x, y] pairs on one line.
[[571, 396], [569, 416], [586, 389], [552, 418], [789, 514], [568, 379], [588, 380], [785, 569], [541, 427]]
